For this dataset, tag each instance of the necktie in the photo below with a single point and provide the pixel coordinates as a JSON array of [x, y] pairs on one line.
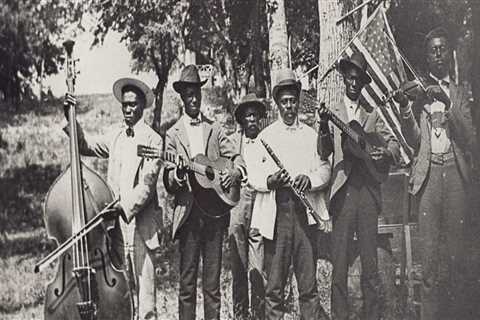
[[195, 122], [130, 132]]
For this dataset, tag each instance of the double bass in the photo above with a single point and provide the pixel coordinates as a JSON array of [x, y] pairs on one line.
[[88, 285]]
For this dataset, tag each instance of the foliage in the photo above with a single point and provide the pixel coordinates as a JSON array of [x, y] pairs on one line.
[[29, 41]]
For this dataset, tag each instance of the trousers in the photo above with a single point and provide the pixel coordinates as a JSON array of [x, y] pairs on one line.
[[200, 236], [293, 242], [355, 209], [140, 272], [443, 217]]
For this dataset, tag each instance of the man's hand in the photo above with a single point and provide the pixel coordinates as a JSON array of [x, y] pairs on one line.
[[181, 168], [69, 100], [113, 213], [228, 177], [302, 183], [381, 154], [401, 98], [278, 179], [323, 112], [437, 93]]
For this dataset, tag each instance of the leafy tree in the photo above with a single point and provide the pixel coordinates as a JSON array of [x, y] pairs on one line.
[[29, 41]]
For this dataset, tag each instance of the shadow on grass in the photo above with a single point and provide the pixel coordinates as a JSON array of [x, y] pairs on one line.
[[22, 191]]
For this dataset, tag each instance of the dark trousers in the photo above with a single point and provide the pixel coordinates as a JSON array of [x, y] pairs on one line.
[[442, 221], [293, 242], [246, 253], [200, 236], [355, 209]]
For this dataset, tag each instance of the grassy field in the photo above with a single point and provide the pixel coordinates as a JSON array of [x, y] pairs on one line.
[[33, 152]]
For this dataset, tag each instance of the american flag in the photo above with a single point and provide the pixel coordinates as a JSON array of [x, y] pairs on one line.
[[385, 67]]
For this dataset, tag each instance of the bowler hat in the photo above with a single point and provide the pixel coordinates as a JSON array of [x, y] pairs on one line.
[[286, 78], [250, 100], [120, 84], [189, 75], [357, 61]]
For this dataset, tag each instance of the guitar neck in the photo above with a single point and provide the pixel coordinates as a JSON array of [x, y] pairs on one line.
[[343, 126], [191, 165]]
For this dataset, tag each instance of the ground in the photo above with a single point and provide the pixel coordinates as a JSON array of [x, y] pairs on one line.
[[33, 152]]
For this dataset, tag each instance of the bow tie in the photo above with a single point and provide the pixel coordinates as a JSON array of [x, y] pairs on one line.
[[195, 122], [130, 132]]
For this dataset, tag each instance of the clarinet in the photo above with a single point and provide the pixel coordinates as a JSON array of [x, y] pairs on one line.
[[301, 195]]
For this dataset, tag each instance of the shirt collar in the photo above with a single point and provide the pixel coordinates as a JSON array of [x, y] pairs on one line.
[[349, 102], [294, 127], [137, 126], [187, 119]]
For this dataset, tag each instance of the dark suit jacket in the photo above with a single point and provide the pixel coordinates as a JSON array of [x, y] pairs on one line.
[[331, 144], [217, 144], [416, 128]]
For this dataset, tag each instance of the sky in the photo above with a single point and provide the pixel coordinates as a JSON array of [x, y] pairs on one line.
[[99, 66]]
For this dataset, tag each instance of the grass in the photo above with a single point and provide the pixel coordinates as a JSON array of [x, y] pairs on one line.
[[33, 152]]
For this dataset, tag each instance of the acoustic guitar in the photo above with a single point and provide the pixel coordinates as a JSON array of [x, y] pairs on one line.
[[204, 176], [359, 144]]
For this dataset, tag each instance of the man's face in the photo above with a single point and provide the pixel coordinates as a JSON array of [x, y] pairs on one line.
[[192, 98], [438, 56], [353, 82], [287, 101], [250, 121], [132, 107]]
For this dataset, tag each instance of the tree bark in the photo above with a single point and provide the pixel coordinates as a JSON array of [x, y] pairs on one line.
[[277, 36], [256, 47], [333, 38]]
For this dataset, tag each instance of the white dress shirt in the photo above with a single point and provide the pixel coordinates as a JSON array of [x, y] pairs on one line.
[[296, 147], [352, 108], [440, 141], [195, 136]]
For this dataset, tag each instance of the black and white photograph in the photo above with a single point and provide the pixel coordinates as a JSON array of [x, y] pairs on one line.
[[240, 159]]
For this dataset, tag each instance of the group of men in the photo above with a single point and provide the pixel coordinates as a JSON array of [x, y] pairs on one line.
[[270, 229]]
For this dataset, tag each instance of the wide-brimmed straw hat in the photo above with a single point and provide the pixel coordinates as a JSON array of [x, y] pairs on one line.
[[189, 75], [130, 82], [286, 78], [357, 61], [250, 100]]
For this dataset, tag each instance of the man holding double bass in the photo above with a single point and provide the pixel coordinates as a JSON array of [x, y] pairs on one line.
[[133, 180], [198, 229]]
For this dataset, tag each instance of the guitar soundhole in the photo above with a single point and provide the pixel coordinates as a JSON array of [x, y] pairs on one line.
[[210, 173]]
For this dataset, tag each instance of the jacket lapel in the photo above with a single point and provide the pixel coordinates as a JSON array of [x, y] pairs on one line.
[[207, 130], [183, 137]]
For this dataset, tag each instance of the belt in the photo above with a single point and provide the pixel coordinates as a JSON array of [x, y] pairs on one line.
[[442, 158]]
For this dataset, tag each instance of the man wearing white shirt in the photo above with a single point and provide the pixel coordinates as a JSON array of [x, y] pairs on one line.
[[133, 180], [355, 196], [288, 231], [246, 244], [199, 234], [438, 126]]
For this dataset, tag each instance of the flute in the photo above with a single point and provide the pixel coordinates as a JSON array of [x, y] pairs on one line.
[[300, 195]]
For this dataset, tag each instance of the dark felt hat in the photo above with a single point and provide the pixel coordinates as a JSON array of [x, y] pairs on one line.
[[250, 100], [286, 78], [358, 61], [130, 82], [189, 75]]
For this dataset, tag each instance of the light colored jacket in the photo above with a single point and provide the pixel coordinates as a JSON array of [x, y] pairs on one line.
[[217, 144], [142, 202]]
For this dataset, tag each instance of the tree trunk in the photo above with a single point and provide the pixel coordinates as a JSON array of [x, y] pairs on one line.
[[277, 36], [333, 38], [157, 111], [256, 47], [476, 66]]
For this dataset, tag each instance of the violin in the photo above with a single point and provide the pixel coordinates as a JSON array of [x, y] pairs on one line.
[[89, 283]]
